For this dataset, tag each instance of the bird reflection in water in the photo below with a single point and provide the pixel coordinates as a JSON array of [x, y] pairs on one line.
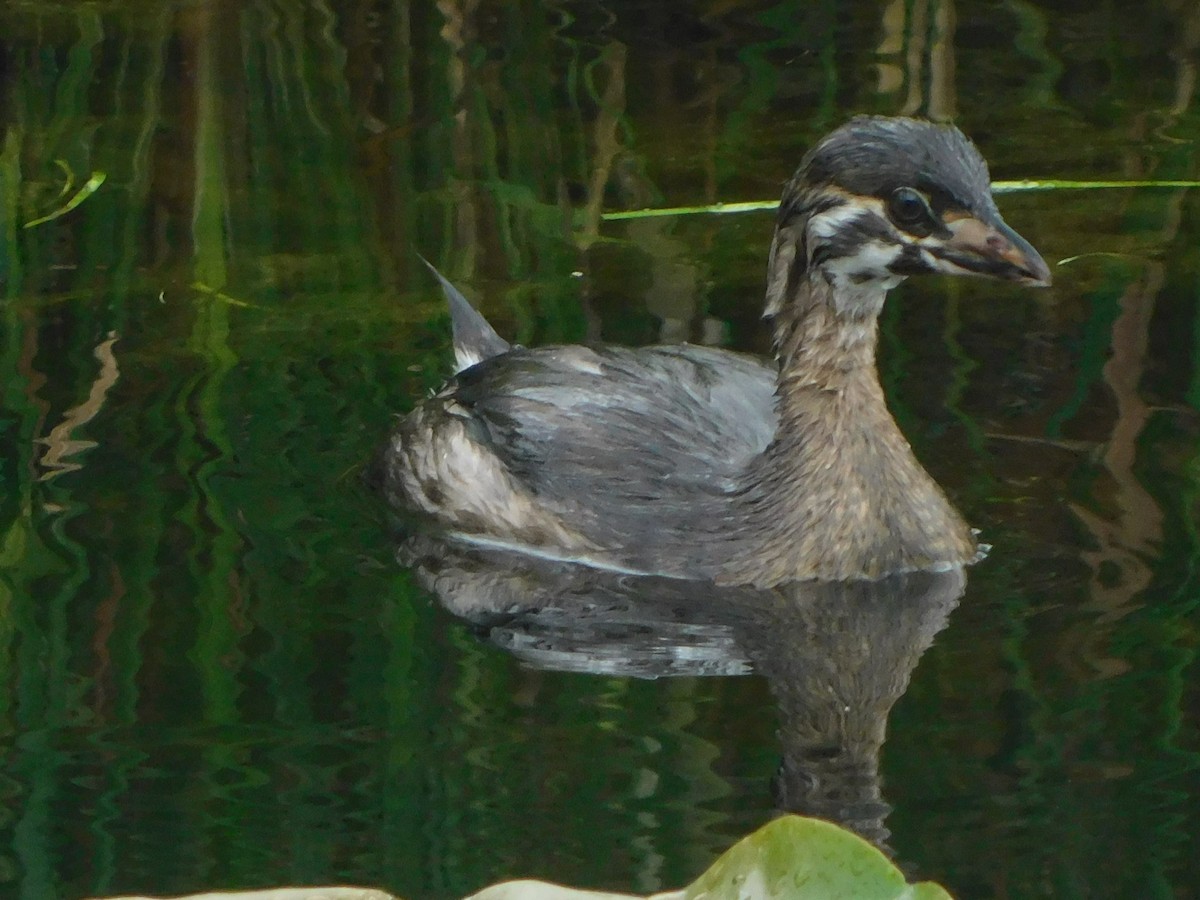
[[836, 655]]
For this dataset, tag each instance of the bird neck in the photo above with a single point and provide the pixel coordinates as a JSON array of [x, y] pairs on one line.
[[838, 493], [825, 336], [828, 393]]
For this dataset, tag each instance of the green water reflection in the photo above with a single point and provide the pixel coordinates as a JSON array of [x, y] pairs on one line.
[[213, 673]]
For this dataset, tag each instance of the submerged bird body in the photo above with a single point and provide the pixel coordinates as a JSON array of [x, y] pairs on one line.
[[701, 463]]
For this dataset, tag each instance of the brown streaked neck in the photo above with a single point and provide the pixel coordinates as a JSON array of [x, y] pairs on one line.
[[825, 335], [828, 391], [837, 494]]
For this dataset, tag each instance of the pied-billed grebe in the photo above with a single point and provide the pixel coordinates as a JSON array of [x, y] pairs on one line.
[[700, 463]]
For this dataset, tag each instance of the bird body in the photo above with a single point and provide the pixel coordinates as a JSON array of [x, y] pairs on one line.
[[701, 463]]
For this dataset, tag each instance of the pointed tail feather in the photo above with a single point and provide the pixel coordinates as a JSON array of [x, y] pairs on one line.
[[474, 339]]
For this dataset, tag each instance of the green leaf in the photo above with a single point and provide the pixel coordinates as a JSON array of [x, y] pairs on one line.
[[797, 859], [90, 187], [715, 209], [1061, 184], [998, 187], [791, 858]]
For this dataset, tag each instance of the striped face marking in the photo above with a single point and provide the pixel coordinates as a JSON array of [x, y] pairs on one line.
[[855, 245]]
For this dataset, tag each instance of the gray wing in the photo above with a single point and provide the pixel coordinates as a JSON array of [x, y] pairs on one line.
[[621, 440]]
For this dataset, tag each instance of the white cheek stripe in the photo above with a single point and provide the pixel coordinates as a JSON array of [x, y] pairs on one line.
[[825, 225], [872, 260]]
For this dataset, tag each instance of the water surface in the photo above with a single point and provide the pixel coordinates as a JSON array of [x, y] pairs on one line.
[[215, 675]]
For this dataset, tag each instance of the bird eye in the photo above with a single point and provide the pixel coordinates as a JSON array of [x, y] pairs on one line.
[[909, 210]]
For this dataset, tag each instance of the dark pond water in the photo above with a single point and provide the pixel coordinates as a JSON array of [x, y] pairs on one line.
[[214, 674]]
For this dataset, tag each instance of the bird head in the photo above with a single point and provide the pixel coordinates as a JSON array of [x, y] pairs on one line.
[[880, 199]]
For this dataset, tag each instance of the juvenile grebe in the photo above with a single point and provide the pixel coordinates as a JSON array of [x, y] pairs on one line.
[[701, 463]]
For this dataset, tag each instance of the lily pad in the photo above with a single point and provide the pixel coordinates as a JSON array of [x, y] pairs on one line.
[[791, 858], [798, 859], [287, 893]]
